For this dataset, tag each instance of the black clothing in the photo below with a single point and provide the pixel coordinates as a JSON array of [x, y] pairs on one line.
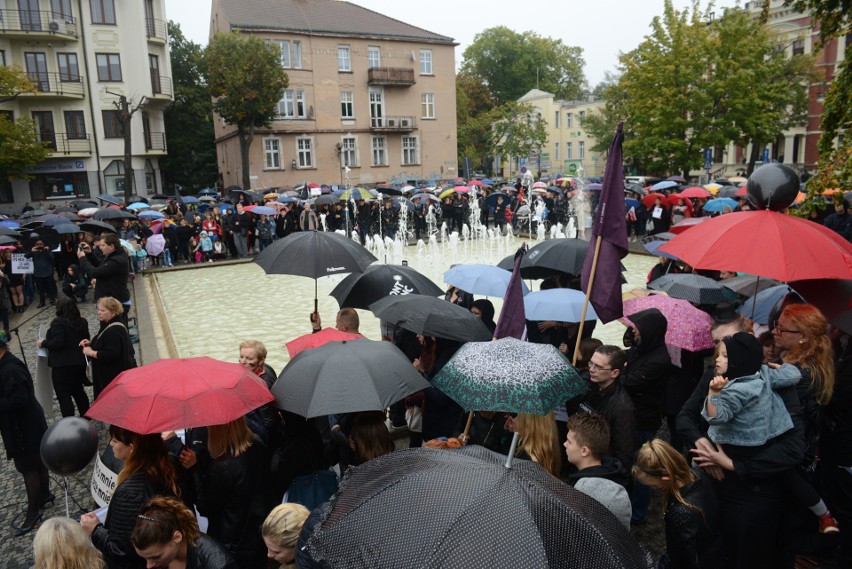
[[112, 274], [841, 223], [609, 468], [22, 422], [615, 405], [692, 533], [486, 432], [649, 367], [207, 553], [62, 341], [114, 353]]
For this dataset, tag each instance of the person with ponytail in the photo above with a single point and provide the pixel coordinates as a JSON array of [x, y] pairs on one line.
[[167, 534], [691, 539]]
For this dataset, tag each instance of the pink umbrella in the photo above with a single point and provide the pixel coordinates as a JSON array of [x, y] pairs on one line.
[[155, 244], [688, 327], [461, 189], [317, 339], [474, 183]]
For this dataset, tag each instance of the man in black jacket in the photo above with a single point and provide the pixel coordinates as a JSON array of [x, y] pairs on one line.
[[649, 367], [111, 274]]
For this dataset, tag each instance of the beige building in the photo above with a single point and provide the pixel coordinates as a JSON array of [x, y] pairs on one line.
[[370, 100], [81, 62], [568, 149]]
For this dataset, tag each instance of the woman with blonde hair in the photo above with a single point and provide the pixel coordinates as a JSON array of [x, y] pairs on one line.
[[691, 539], [60, 543], [147, 472], [538, 440], [232, 489], [110, 351], [280, 532], [167, 534]]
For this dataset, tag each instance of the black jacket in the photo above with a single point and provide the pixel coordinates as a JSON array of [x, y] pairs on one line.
[[609, 468], [112, 274], [62, 341], [113, 537], [22, 422], [836, 437], [692, 536], [487, 432], [615, 405], [648, 368], [115, 352], [207, 553]]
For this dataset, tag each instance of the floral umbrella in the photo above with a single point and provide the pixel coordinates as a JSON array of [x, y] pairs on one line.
[[688, 327]]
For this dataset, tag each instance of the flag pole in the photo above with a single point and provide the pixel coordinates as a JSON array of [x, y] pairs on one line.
[[586, 301]]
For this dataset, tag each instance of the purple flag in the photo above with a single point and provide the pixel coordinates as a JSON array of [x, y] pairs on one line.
[[512, 320], [611, 227]]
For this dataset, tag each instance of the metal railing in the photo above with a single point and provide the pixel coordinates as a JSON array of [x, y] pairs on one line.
[[63, 84], [392, 123], [38, 21], [390, 76], [158, 29], [161, 84], [155, 141], [65, 143]]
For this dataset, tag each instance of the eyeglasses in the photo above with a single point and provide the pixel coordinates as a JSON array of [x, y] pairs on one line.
[[593, 366], [783, 330]]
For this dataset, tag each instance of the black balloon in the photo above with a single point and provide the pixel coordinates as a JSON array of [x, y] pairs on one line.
[[69, 445], [773, 186]]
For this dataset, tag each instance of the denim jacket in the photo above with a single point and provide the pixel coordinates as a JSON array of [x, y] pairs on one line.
[[748, 411]]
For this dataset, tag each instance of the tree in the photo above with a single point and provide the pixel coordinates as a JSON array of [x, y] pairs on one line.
[[511, 64], [518, 131], [20, 146], [191, 161], [476, 111], [245, 79]]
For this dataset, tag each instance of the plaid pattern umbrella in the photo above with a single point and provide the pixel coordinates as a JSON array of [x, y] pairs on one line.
[[688, 327], [509, 375]]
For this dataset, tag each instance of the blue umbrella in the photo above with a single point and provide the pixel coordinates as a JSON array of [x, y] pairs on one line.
[[631, 202], [593, 187], [664, 185], [487, 182], [10, 224], [190, 199], [758, 307], [285, 199], [485, 280], [653, 248], [397, 203], [491, 200], [560, 304], [208, 192], [424, 197], [203, 207], [263, 210], [138, 205], [719, 204], [151, 214]]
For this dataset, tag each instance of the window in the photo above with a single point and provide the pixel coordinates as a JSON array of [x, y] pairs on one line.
[[114, 177], [409, 150], [109, 66], [425, 62], [556, 116], [291, 53], [349, 151], [305, 152], [103, 11], [569, 120], [556, 150], [427, 105], [75, 125], [284, 46], [297, 55], [347, 105], [69, 69], [36, 63], [380, 155], [150, 178], [581, 149], [580, 117], [154, 71], [292, 104], [799, 47], [374, 56], [8, 115], [60, 8], [271, 153], [344, 61], [112, 124], [569, 151], [2, 58]]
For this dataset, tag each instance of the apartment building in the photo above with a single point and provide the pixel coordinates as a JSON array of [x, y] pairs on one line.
[[371, 99], [83, 56]]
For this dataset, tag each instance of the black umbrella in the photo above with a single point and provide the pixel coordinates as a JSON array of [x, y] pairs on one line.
[[430, 316], [550, 257], [83, 204], [67, 228], [134, 199], [748, 285], [694, 288], [665, 236], [377, 375], [109, 199], [112, 213], [46, 234], [69, 216], [52, 219], [389, 190], [9, 239], [471, 512], [326, 199], [66, 209], [97, 227], [314, 254], [161, 197], [10, 232], [235, 194], [33, 213], [360, 290]]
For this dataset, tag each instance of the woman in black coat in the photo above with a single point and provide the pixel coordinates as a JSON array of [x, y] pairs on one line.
[[111, 350], [67, 363]]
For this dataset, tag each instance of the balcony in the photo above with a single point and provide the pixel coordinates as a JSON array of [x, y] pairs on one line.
[[161, 88], [56, 85], [156, 30], [399, 76], [65, 144], [392, 124], [155, 142], [32, 24]]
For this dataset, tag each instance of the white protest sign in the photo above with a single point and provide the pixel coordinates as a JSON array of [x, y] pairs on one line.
[[21, 264], [103, 482]]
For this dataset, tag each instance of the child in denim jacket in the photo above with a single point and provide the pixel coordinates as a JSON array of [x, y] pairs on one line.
[[743, 409]]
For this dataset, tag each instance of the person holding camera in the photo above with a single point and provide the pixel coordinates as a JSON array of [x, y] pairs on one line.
[[111, 273], [42, 258]]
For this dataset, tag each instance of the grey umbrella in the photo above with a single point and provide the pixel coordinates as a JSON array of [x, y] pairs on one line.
[[112, 213], [748, 285], [694, 288], [430, 316], [469, 511], [346, 377], [97, 227]]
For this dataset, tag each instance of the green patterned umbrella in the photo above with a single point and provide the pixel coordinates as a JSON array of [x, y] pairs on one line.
[[511, 376]]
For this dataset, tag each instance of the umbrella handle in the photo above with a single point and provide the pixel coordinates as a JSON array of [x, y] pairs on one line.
[[316, 302], [754, 298], [512, 450], [467, 426]]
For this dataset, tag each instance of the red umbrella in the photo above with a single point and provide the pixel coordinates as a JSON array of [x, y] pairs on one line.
[[687, 223], [741, 193], [172, 394], [651, 198], [765, 243], [318, 339], [695, 192], [474, 183], [675, 198], [461, 189]]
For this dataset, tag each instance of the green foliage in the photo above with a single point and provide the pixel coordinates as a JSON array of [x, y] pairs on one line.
[[511, 64], [518, 130], [14, 81], [245, 79], [20, 148], [191, 161], [476, 111]]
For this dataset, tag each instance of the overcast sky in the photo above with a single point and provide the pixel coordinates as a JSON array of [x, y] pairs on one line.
[[603, 28]]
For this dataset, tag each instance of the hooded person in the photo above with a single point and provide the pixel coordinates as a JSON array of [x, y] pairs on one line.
[[840, 221], [485, 310]]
